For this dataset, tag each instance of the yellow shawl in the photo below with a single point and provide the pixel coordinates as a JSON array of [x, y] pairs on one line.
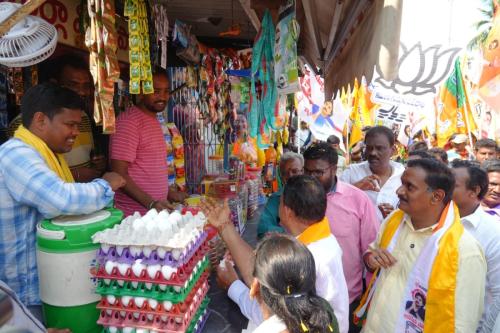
[[55, 162], [441, 284]]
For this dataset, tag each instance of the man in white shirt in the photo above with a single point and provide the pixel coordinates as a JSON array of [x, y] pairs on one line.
[[306, 138], [302, 214], [334, 142], [470, 187], [379, 177]]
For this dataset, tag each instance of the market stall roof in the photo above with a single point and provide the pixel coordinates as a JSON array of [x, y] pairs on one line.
[[326, 25], [209, 18]]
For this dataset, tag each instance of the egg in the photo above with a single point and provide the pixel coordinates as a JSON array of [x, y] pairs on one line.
[[153, 270], [136, 315], [177, 289], [105, 248], [167, 305], [135, 251], [109, 312], [178, 320], [125, 300], [150, 317], [138, 224], [176, 254], [120, 282], [152, 213], [127, 330], [147, 250], [135, 284], [162, 287], [139, 301], [153, 304], [138, 267], [123, 314], [111, 299], [163, 215], [161, 252], [112, 329], [164, 318], [119, 249], [148, 285], [109, 266], [167, 272], [123, 268], [107, 282], [175, 217], [151, 225]]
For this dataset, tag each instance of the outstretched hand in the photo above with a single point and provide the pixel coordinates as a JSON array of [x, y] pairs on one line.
[[218, 213]]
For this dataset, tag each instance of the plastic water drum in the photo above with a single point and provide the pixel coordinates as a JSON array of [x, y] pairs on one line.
[[65, 255]]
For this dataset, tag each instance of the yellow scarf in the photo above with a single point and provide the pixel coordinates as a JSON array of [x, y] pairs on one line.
[[55, 162], [315, 232], [441, 284]]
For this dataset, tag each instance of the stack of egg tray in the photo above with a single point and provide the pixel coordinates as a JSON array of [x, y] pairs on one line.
[[139, 304]]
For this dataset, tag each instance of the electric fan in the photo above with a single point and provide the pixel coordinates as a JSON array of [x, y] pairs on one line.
[[28, 42]]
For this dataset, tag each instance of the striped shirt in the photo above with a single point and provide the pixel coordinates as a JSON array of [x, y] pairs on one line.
[[29, 192], [139, 141]]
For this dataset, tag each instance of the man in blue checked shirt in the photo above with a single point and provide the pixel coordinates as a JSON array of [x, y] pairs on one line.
[[35, 183]]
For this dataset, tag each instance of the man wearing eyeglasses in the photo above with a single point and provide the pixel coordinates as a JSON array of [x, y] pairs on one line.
[[351, 216]]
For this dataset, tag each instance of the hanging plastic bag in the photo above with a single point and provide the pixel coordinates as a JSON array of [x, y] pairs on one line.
[[263, 101]]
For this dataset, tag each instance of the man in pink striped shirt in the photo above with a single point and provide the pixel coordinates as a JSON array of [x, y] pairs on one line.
[[139, 154], [352, 217]]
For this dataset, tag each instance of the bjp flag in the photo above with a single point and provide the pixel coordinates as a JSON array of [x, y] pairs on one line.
[[454, 114]]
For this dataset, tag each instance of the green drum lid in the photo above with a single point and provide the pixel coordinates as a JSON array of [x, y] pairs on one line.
[[74, 233]]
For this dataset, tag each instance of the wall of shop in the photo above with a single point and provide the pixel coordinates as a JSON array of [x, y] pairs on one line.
[[374, 42]]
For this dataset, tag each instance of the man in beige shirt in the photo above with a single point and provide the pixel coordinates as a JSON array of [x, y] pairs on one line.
[[426, 189]]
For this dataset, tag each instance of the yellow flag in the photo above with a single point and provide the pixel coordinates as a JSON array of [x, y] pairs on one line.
[[355, 117], [365, 105]]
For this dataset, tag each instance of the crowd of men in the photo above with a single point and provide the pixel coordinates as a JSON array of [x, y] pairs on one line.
[[397, 247], [419, 242]]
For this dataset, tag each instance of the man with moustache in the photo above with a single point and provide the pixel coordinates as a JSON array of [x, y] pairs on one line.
[[491, 201], [422, 248], [379, 177], [139, 154]]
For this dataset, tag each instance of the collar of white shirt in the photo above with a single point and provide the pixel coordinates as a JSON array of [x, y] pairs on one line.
[[475, 218]]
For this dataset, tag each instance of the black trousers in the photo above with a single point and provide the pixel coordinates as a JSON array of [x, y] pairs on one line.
[[353, 328]]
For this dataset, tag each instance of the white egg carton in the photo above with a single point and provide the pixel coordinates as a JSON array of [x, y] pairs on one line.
[[144, 233]]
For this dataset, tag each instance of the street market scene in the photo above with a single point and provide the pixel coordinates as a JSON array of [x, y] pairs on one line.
[[266, 166]]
